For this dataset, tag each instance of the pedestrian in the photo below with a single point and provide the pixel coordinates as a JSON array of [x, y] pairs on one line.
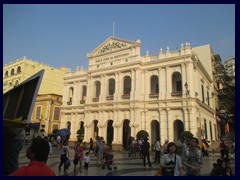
[[38, 153], [59, 142], [171, 163], [64, 156], [157, 150], [193, 161], [164, 146], [99, 148], [49, 143], [129, 146], [185, 149], [86, 160], [146, 152], [91, 147], [78, 157]]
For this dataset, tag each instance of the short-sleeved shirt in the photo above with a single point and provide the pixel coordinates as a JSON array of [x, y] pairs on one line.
[[34, 168], [166, 158], [194, 160]]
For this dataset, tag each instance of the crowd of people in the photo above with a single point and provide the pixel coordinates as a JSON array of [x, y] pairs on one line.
[[188, 163]]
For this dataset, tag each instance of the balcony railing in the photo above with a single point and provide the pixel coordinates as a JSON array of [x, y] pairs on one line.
[[110, 97], [96, 99], [82, 102], [69, 103], [153, 95], [176, 94], [126, 96]]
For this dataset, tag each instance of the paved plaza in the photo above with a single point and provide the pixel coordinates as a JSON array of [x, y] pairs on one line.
[[125, 166]]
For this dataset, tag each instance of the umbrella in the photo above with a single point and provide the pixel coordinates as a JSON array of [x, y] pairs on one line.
[[63, 132]]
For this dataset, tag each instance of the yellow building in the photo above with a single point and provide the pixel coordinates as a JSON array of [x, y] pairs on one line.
[[46, 113], [23, 68], [50, 93]]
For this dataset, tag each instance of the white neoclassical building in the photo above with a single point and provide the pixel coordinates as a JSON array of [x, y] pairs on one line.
[[123, 92]]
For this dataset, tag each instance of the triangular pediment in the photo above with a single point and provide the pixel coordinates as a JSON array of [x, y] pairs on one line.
[[113, 44]]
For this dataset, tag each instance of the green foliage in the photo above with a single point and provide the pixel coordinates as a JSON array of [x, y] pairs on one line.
[[142, 134], [186, 134]]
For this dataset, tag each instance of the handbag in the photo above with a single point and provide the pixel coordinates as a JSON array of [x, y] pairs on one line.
[[159, 172], [169, 171]]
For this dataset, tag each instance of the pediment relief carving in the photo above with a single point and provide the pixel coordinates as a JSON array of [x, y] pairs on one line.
[[112, 44]]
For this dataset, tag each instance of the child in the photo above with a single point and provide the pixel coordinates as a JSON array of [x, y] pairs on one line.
[[86, 161]]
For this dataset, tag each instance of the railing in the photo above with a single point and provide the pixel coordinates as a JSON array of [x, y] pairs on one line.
[[176, 94], [110, 97], [153, 95], [96, 99], [82, 102], [126, 96], [69, 103]]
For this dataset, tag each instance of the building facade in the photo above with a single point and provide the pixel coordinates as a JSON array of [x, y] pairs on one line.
[[23, 68], [46, 114], [51, 90], [229, 66], [123, 92]]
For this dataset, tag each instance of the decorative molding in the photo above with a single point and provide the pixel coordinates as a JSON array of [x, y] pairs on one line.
[[111, 46]]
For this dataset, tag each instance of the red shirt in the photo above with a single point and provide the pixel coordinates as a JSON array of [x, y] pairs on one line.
[[34, 168]]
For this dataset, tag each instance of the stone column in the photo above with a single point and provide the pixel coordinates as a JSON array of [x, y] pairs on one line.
[[116, 94], [168, 83], [169, 125]]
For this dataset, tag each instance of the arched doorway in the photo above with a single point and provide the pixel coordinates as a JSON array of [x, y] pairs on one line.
[[155, 131], [178, 129], [110, 132], [126, 132]]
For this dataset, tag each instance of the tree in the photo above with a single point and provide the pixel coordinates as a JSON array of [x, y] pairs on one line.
[[80, 134], [186, 134], [142, 134]]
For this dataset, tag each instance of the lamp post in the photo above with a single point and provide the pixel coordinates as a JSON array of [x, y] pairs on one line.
[[186, 87]]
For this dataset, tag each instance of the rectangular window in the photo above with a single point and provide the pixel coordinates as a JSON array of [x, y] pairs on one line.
[[55, 126], [56, 113], [38, 112], [208, 98], [203, 94]]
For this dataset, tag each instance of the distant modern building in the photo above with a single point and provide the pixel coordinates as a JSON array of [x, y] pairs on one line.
[[122, 92], [51, 88], [229, 66]]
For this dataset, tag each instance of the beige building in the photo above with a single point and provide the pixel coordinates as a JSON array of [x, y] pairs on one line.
[[123, 92]]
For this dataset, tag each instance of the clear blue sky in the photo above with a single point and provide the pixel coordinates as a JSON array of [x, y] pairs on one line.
[[63, 34]]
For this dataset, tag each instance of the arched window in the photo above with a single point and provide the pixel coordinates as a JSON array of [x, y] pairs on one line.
[[127, 85], [16, 82], [154, 85], [84, 92], [70, 96], [6, 74], [18, 70], [176, 84], [12, 72], [111, 88], [97, 89]]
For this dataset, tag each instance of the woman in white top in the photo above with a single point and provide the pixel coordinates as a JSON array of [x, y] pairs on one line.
[[171, 162]]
